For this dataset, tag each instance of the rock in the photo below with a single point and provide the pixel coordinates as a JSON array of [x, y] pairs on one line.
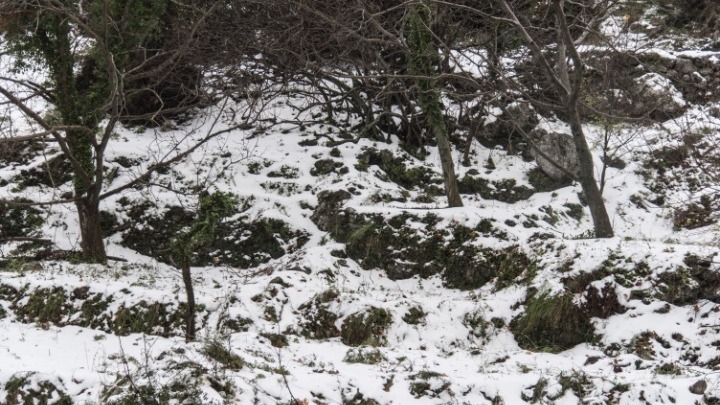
[[657, 98], [561, 149], [684, 66], [699, 387]]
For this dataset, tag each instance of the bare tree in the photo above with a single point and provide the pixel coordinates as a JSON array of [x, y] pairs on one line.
[[567, 81], [99, 57]]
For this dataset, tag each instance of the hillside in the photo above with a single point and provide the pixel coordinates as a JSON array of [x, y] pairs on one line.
[[341, 277]]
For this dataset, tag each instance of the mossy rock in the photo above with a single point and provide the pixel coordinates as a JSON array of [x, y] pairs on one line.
[[501, 190], [403, 249], [552, 324], [318, 322], [544, 183], [396, 169], [239, 243], [324, 167], [687, 284], [366, 328], [472, 268]]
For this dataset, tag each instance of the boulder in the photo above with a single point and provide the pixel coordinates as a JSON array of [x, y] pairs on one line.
[[561, 149]]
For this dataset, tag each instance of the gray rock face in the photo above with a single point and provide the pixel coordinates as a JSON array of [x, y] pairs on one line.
[[560, 148]]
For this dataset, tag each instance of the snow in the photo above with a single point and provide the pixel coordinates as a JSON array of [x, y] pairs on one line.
[[84, 362]]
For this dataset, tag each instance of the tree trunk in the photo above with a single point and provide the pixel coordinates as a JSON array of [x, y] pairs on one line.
[[452, 191], [601, 220], [91, 240], [190, 310]]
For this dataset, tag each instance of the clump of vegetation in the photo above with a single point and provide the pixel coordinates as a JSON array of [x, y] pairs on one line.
[[396, 169], [602, 303], [20, 389], [276, 339], [535, 392], [58, 307], [364, 356], [238, 242], [403, 249], [19, 221], [366, 328], [694, 215], [552, 324], [286, 172], [318, 321], [415, 315], [480, 327], [690, 283], [428, 383], [324, 167], [501, 190], [218, 351]]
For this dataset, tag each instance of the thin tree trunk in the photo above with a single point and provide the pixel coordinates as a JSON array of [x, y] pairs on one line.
[[601, 220], [190, 310], [452, 191]]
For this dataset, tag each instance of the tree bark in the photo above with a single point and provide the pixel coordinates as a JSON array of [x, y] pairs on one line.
[[452, 191], [190, 310], [91, 240], [601, 221]]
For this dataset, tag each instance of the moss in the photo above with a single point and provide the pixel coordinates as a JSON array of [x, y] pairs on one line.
[[552, 324], [359, 399], [694, 215], [364, 356], [668, 369], [270, 314], [602, 303], [366, 328], [577, 382], [403, 249], [472, 268]]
